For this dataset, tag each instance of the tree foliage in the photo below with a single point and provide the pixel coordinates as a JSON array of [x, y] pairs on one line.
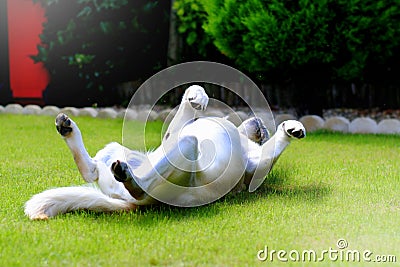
[[89, 46], [191, 16], [195, 43]]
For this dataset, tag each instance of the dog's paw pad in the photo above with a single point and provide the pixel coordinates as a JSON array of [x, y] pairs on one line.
[[63, 124], [120, 171]]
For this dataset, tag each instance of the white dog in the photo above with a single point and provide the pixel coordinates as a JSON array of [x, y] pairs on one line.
[[199, 161]]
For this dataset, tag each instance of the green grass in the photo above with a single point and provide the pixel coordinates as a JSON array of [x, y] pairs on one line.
[[325, 187]]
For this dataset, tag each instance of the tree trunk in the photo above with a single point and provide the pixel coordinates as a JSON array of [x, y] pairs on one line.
[[5, 92], [173, 41]]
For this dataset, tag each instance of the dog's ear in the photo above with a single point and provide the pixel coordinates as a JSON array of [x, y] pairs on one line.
[[289, 132]]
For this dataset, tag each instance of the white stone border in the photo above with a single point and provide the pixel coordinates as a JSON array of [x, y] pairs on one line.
[[362, 125]]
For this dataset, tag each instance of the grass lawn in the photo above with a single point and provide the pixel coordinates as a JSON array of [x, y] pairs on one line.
[[323, 188]]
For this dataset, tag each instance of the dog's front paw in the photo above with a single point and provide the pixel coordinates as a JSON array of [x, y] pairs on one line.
[[255, 130], [63, 124], [294, 129], [197, 97]]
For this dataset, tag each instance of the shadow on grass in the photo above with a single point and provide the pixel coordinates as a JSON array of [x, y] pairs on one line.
[[276, 185]]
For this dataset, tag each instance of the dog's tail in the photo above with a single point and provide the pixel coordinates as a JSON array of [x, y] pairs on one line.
[[65, 199]]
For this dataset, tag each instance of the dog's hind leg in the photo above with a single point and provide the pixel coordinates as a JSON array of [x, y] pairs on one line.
[[123, 174], [164, 174], [73, 137]]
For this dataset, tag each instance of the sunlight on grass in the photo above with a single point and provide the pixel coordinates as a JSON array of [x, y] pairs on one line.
[[325, 187]]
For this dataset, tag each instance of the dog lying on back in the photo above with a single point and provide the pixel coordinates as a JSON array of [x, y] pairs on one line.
[[198, 161]]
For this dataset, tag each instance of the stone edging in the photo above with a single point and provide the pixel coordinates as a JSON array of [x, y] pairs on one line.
[[361, 125]]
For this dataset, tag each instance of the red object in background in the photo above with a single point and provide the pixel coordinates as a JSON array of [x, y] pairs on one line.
[[25, 23]]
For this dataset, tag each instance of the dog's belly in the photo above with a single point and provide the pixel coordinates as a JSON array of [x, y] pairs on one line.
[[219, 150]]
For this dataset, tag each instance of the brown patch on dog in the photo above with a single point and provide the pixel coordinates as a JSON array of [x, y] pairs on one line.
[[40, 217]]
